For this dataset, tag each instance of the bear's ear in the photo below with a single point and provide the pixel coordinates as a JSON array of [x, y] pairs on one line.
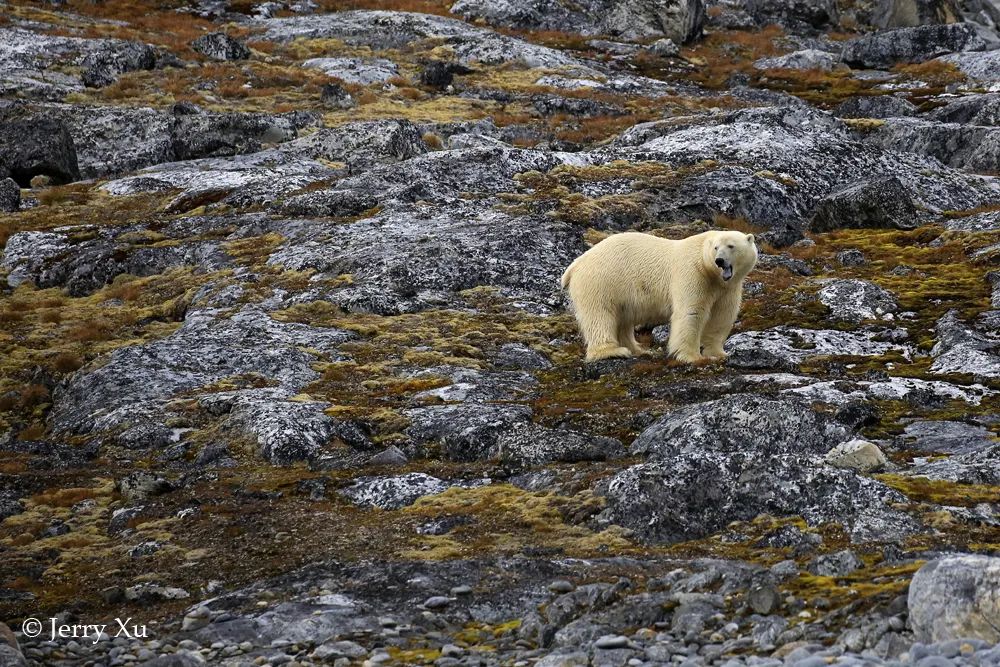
[[750, 239]]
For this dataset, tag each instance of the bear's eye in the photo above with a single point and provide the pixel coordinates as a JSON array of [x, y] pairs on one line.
[[731, 247]]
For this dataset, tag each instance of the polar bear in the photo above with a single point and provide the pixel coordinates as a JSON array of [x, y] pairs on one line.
[[634, 279]]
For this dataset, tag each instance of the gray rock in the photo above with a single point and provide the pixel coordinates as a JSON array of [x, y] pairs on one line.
[[797, 345], [364, 71], [220, 46], [981, 109], [215, 135], [474, 431], [879, 203], [911, 45], [979, 222], [970, 147], [838, 564], [955, 597], [407, 259], [875, 106], [395, 492], [982, 67], [521, 357], [334, 95], [102, 67], [805, 59], [857, 300], [140, 485], [37, 146], [961, 349], [679, 20], [794, 14], [859, 455], [851, 258], [912, 13], [814, 149], [740, 456], [10, 195]]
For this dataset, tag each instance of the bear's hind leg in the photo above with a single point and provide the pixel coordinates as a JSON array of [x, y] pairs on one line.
[[600, 334], [626, 338]]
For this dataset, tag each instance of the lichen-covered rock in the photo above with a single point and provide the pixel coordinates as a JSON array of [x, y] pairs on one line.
[[362, 71], [794, 14], [911, 45], [205, 135], [981, 109], [361, 144], [912, 13], [859, 455], [838, 564], [875, 106], [130, 390], [970, 147], [878, 203], [10, 195], [481, 431], [102, 67], [37, 146], [857, 300], [410, 258], [955, 597], [811, 149], [796, 344], [737, 457], [220, 46], [391, 493], [680, 20], [804, 59], [961, 349], [980, 66], [391, 29]]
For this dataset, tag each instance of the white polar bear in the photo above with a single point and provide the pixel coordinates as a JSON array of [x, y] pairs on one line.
[[633, 279]]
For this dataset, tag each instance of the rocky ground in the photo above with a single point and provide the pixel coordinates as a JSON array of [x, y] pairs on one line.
[[287, 377]]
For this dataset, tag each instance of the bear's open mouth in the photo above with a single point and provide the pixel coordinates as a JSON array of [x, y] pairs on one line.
[[727, 268]]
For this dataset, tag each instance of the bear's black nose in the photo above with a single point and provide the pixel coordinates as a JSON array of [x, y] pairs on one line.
[[720, 262]]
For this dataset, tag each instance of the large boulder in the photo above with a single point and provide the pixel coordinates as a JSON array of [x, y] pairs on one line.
[[972, 147], [38, 146], [911, 45], [875, 106], [913, 13], [980, 66], [10, 195], [964, 350], [804, 59], [732, 459], [220, 46], [213, 135], [794, 14], [879, 203], [955, 597], [981, 109], [679, 20], [103, 67], [857, 300]]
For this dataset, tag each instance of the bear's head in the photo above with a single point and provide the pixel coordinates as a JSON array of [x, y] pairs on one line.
[[732, 255]]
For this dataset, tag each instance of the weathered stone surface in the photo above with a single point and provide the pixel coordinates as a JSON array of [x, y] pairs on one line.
[[880, 203], [390, 493], [795, 142], [962, 349], [472, 431], [411, 258], [804, 59], [797, 344], [10, 195], [857, 300], [220, 46], [363, 71], [859, 455], [795, 14], [216, 135], [875, 106], [911, 45], [954, 597], [970, 110], [981, 66], [679, 20], [37, 146], [970, 147], [732, 459], [103, 66], [912, 13]]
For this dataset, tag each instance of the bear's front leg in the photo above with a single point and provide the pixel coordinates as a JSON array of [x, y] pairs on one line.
[[686, 325], [720, 323]]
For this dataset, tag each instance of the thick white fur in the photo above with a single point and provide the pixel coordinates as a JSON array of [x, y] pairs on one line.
[[633, 279]]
